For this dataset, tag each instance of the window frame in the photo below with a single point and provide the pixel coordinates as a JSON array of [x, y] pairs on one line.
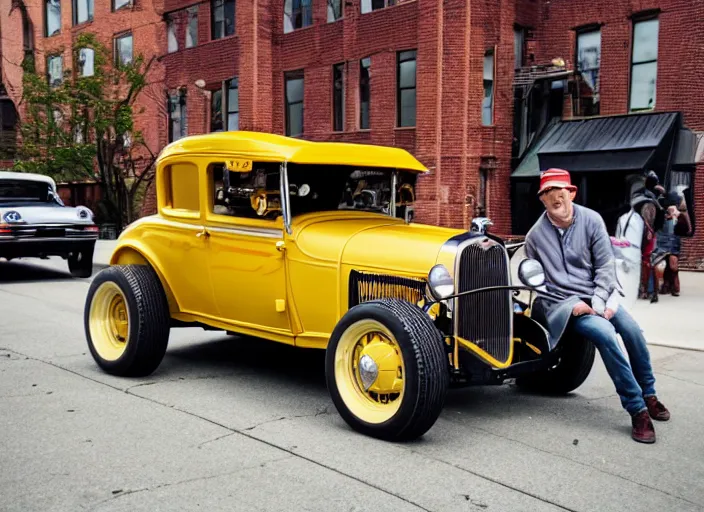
[[171, 31], [338, 95], [80, 67], [489, 52], [306, 14], [581, 31], [368, 85], [294, 75], [125, 5], [225, 104], [49, 58], [635, 20], [399, 89], [387, 4], [46, 19], [214, 24], [116, 48], [90, 7], [191, 14], [329, 6], [181, 102]]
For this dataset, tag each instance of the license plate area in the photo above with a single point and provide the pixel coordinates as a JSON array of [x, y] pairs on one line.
[[51, 232]]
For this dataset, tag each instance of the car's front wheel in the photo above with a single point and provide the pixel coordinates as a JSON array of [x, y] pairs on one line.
[[387, 370], [126, 320], [80, 262]]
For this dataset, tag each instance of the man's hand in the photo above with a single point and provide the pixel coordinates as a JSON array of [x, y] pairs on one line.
[[609, 313], [581, 308]]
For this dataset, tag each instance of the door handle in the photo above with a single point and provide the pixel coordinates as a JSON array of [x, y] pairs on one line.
[[280, 246], [204, 233]]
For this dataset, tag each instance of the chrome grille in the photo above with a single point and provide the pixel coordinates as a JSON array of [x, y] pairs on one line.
[[485, 318]]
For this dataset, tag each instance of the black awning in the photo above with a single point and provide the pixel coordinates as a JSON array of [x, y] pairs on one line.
[[619, 143]]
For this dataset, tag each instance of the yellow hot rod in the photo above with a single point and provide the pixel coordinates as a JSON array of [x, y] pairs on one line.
[[312, 244]]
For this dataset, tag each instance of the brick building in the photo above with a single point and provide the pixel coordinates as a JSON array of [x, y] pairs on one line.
[[480, 90]]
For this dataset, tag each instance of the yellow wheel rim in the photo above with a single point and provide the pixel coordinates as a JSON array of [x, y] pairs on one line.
[[377, 401], [109, 321]]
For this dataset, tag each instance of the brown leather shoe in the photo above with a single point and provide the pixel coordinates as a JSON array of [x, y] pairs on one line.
[[643, 430], [656, 409]]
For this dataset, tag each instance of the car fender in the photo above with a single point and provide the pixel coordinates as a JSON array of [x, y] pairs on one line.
[[135, 253]]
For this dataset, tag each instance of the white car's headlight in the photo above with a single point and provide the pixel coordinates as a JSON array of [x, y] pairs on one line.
[[440, 282], [84, 213]]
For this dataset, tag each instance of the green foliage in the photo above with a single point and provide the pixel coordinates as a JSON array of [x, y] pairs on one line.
[[77, 129]]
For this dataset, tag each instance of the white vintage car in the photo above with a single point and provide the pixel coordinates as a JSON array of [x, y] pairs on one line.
[[34, 222]]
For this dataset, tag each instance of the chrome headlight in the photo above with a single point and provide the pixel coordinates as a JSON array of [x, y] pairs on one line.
[[84, 213], [440, 282], [531, 273]]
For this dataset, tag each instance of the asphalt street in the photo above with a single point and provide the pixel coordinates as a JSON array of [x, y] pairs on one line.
[[238, 424]]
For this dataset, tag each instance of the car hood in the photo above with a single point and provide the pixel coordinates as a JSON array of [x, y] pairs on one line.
[[374, 243], [47, 214]]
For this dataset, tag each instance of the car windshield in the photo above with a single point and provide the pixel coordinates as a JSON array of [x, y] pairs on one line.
[[318, 188], [15, 192]]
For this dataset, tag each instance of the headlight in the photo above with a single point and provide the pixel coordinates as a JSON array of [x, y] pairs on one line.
[[440, 282], [84, 213], [531, 273]]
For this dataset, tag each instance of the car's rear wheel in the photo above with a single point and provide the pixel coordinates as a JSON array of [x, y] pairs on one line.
[[572, 369], [80, 262], [387, 370], [126, 320]]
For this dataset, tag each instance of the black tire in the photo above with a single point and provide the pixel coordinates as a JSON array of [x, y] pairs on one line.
[[148, 320], [426, 378], [573, 368], [80, 263]]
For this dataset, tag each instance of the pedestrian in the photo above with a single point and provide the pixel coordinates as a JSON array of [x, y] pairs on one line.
[[666, 256], [575, 250]]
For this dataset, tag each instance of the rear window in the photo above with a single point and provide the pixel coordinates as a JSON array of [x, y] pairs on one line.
[[16, 191]]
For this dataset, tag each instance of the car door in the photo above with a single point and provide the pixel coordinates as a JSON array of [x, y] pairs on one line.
[[247, 266], [178, 241]]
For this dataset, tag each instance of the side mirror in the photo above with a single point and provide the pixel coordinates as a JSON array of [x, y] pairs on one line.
[[531, 273]]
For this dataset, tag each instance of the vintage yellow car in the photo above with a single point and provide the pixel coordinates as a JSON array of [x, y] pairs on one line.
[[312, 244]]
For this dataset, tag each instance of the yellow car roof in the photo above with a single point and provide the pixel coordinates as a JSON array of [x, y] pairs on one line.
[[266, 147]]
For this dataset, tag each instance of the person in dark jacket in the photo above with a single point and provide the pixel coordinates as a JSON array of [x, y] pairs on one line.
[[666, 257], [572, 244]]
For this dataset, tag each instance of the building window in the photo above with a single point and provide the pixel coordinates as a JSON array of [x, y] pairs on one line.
[[364, 93], [119, 4], [216, 111], [588, 62], [519, 39], [373, 5], [233, 104], [177, 116], [123, 49], [86, 58], [406, 80], [488, 100], [297, 14], [53, 17], [334, 10], [223, 18], [644, 64], [294, 103], [338, 97], [192, 29], [82, 11], [171, 39], [55, 70]]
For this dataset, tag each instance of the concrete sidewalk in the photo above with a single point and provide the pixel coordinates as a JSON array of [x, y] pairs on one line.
[[673, 321]]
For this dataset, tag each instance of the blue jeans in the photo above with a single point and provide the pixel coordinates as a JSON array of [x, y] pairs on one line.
[[635, 381]]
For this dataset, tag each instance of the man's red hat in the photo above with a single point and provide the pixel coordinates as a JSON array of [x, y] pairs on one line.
[[555, 178]]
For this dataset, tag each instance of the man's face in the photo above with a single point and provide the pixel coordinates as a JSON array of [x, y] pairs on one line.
[[558, 202]]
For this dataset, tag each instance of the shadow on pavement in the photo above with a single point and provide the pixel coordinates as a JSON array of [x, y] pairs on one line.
[[25, 272]]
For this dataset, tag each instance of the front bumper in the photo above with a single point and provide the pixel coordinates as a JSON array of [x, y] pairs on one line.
[[17, 241]]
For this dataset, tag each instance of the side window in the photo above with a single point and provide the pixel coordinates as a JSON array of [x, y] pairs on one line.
[[250, 195], [182, 187]]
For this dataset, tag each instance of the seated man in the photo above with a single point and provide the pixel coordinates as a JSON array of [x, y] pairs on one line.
[[574, 247]]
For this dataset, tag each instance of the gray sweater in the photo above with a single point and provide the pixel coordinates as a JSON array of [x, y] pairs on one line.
[[580, 262]]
